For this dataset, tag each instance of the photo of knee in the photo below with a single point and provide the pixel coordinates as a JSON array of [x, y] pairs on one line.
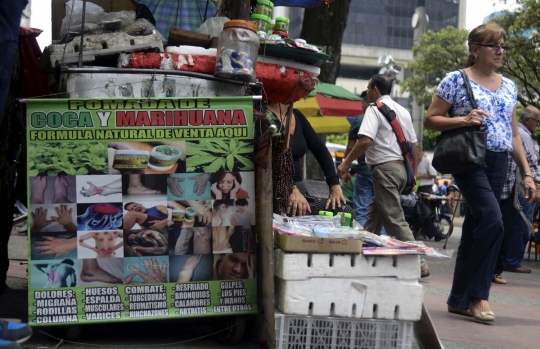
[[196, 240], [146, 242]]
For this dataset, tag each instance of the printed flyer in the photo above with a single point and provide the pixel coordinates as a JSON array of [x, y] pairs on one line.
[[140, 209]]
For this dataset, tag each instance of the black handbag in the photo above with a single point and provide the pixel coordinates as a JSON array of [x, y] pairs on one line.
[[463, 149]]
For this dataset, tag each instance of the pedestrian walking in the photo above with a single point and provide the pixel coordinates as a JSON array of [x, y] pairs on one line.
[[482, 230]]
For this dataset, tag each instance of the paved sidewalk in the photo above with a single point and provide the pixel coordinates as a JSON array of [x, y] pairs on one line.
[[516, 306]]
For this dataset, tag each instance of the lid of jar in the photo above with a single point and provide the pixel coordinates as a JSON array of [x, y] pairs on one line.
[[266, 2], [260, 17], [242, 24], [284, 34], [282, 19]]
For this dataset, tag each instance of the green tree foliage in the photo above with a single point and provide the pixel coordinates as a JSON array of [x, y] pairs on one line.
[[437, 54], [522, 62]]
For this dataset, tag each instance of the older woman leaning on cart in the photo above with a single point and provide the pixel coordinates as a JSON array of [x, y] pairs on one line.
[[482, 230]]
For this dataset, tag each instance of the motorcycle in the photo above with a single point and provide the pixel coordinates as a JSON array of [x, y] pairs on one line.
[[425, 217]]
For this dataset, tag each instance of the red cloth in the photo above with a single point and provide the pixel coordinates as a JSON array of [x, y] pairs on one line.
[[338, 107], [34, 83]]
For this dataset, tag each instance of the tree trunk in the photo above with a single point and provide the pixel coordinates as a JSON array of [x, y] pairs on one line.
[[324, 25]]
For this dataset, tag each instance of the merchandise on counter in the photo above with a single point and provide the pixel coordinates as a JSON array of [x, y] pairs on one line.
[[272, 25], [282, 24], [282, 34], [262, 22], [237, 51], [264, 7], [391, 251]]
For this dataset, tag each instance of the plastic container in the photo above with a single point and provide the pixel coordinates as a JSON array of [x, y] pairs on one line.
[[264, 7], [262, 22], [163, 157], [282, 24], [335, 333], [284, 35], [178, 216], [190, 214], [272, 25], [132, 160], [237, 51]]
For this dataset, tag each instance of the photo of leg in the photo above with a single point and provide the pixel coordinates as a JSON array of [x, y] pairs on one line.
[[55, 273], [103, 216], [100, 244], [102, 188], [146, 270], [146, 242], [101, 272], [137, 187], [52, 190], [191, 268], [53, 246], [191, 241]]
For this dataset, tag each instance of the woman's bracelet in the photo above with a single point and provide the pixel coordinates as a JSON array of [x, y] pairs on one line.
[[528, 174]]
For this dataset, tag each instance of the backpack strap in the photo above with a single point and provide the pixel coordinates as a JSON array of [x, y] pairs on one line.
[[390, 116]]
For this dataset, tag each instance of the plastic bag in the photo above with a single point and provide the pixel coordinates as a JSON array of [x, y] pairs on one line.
[[212, 26], [124, 18], [73, 20]]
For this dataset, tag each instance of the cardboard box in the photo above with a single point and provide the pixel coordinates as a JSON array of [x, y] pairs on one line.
[[291, 243]]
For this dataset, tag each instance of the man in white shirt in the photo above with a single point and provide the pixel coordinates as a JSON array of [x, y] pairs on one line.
[[378, 141], [426, 173]]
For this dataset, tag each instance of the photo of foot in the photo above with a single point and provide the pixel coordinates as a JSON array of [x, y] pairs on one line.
[[100, 244], [191, 268], [53, 245], [137, 187], [146, 270], [102, 216], [52, 190], [103, 188], [188, 186], [53, 218], [147, 158], [55, 273], [101, 272]]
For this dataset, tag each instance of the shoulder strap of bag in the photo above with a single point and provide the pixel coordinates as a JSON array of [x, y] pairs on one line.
[[468, 88], [390, 116], [519, 190]]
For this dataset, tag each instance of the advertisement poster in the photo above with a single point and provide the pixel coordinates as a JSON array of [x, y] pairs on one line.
[[140, 209]]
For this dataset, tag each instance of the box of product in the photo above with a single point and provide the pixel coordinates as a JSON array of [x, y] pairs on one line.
[[298, 243]]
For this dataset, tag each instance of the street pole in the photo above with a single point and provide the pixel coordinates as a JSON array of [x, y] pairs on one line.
[[419, 23]]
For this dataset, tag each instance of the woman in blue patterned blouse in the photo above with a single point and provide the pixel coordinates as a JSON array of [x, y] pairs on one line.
[[482, 231]]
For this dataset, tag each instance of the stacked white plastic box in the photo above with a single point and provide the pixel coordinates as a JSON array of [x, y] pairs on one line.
[[343, 291]]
